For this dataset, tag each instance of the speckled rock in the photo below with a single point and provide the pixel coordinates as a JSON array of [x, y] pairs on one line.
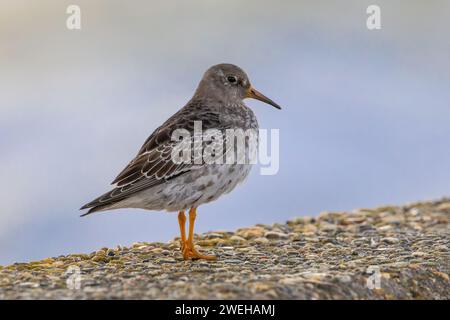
[[383, 253]]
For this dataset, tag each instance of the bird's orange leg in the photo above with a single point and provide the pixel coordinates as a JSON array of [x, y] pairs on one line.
[[182, 223], [188, 249]]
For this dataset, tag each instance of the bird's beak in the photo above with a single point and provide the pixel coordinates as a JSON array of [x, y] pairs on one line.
[[255, 94]]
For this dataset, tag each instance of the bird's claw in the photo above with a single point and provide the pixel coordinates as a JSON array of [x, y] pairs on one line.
[[189, 252]]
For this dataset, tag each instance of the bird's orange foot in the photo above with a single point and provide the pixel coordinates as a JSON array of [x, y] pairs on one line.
[[189, 252]]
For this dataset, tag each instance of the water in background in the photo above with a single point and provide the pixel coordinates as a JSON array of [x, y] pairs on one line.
[[365, 120]]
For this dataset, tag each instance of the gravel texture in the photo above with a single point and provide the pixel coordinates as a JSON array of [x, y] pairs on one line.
[[383, 253]]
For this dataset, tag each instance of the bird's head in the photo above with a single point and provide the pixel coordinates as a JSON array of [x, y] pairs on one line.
[[229, 82]]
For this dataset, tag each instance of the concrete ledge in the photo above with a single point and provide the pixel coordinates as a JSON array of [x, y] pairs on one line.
[[384, 253]]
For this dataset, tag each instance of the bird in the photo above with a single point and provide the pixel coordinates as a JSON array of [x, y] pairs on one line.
[[153, 180]]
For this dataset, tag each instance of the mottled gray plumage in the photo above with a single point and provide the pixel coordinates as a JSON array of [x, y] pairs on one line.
[[153, 181]]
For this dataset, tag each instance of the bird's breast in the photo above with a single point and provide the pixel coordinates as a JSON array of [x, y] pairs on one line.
[[238, 115]]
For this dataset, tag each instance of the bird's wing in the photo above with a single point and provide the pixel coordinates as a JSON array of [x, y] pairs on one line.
[[183, 119], [153, 164], [156, 150], [145, 171], [158, 164]]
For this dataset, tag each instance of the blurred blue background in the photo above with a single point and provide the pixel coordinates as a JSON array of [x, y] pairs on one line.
[[366, 118]]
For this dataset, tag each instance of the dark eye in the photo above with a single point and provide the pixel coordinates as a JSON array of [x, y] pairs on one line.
[[232, 79]]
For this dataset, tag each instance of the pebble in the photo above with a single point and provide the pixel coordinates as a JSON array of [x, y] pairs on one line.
[[166, 260], [272, 235], [237, 240], [390, 240], [260, 240], [227, 248], [232, 261], [250, 233], [214, 236], [418, 254], [325, 226], [29, 285]]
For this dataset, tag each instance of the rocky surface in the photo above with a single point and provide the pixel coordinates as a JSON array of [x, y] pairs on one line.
[[383, 253]]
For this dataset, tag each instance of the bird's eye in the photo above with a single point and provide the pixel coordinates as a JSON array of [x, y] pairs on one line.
[[232, 79]]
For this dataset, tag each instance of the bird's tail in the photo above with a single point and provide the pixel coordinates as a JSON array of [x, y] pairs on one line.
[[94, 209], [101, 203]]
